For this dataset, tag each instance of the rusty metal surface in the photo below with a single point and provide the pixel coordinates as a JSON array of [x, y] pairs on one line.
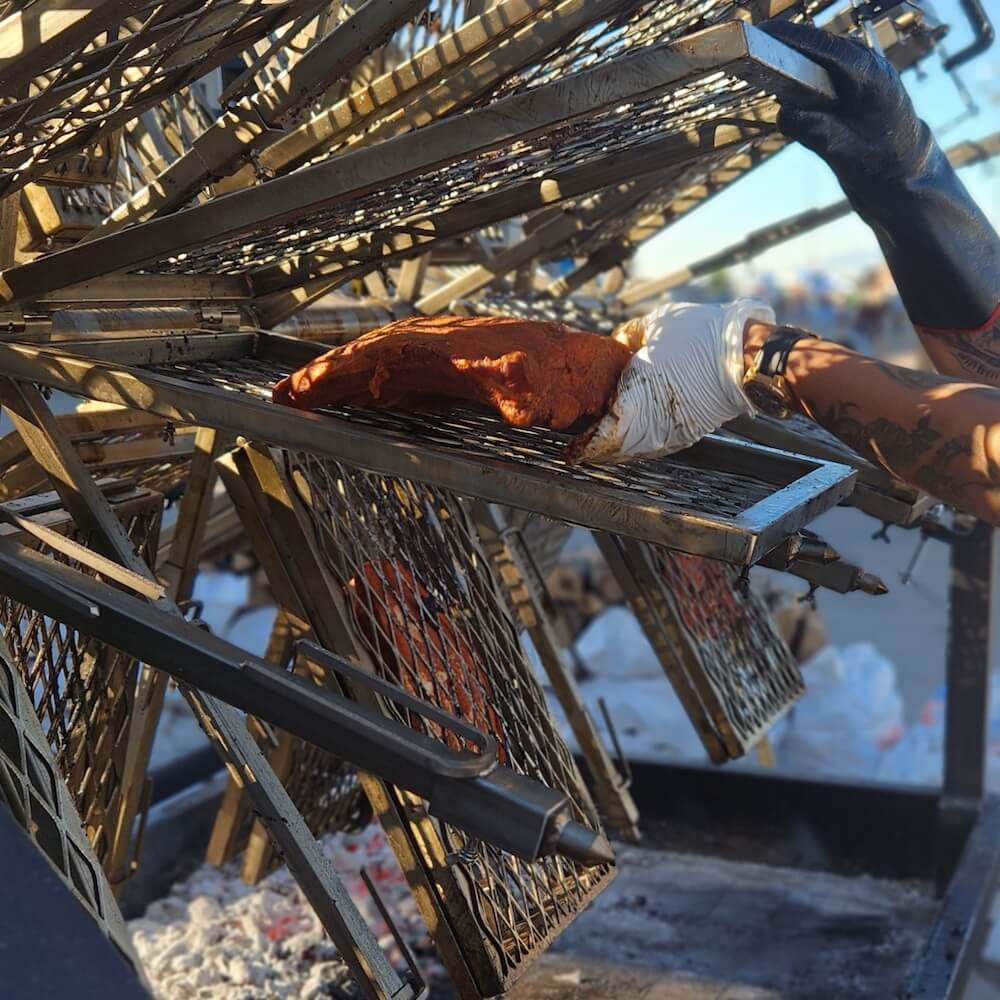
[[424, 606], [731, 670], [82, 691]]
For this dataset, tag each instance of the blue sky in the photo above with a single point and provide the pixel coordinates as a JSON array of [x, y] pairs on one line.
[[796, 180]]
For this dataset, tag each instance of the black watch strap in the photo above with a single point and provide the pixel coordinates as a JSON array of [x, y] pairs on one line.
[[777, 347]]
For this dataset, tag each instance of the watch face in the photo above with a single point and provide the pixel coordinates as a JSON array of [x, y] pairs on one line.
[[765, 399]]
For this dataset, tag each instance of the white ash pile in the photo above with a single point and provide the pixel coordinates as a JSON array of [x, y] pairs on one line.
[[217, 938]]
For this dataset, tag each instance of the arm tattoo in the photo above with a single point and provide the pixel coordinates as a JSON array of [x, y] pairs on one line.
[[977, 354], [899, 449]]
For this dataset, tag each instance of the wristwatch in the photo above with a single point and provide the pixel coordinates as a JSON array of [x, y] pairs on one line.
[[764, 382]]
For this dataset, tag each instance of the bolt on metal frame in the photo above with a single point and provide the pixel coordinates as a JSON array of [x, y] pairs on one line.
[[722, 498]]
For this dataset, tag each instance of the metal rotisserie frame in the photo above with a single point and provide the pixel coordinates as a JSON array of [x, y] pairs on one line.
[[721, 499], [83, 692], [533, 146], [119, 443], [876, 493], [731, 671]]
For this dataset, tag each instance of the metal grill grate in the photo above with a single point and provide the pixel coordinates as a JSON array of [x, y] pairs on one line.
[[731, 670], [362, 229], [122, 59], [581, 315], [423, 605], [31, 786], [153, 455], [83, 691], [666, 483]]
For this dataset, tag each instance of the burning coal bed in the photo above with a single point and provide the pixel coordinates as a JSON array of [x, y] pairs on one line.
[[216, 938]]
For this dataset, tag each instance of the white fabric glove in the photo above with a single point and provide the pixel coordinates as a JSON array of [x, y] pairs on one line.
[[684, 381]]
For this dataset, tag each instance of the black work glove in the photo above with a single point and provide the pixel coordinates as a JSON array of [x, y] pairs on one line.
[[943, 253]]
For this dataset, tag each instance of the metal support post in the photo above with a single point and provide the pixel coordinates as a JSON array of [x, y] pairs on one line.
[[969, 659]]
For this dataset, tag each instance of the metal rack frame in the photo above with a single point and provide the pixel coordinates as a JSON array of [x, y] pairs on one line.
[[474, 455], [644, 75]]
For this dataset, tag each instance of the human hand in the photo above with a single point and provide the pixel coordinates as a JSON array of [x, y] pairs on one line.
[[870, 136], [684, 381]]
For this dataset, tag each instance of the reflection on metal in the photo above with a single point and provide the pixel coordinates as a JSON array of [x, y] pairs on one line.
[[877, 493], [728, 666], [684, 501], [114, 442]]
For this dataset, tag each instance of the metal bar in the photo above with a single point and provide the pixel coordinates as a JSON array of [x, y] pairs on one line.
[[44, 917], [536, 611], [178, 572], [275, 299], [414, 94], [580, 496], [744, 50], [222, 723], [461, 787], [225, 143], [971, 616]]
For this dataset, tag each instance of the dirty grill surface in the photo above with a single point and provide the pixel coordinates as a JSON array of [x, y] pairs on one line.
[[423, 605], [749, 670], [666, 483], [82, 691]]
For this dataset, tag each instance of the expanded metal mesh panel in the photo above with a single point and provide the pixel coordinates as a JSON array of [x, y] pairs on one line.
[[32, 788], [579, 314], [643, 25], [668, 484], [359, 230], [138, 55], [679, 192], [82, 690], [423, 604], [731, 670]]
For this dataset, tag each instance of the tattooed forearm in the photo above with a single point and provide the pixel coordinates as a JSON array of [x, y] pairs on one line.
[[971, 355]]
